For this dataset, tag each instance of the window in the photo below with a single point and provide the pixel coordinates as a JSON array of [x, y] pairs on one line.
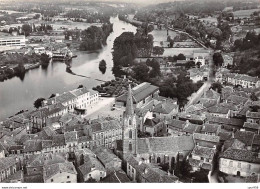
[[130, 122], [231, 164], [239, 165], [130, 146], [201, 158], [68, 177], [51, 180], [130, 133], [249, 166]]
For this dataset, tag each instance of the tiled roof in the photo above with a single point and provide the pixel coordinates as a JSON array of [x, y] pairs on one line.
[[226, 121], [177, 123], [229, 106], [194, 162], [194, 107], [90, 162], [150, 174], [151, 122], [245, 137], [210, 128], [204, 137], [32, 146], [165, 144], [105, 125], [233, 143], [26, 137], [242, 77], [254, 115], [204, 152], [165, 108], [218, 110], [45, 159], [192, 128], [116, 177], [6, 163], [256, 140], [71, 136], [224, 135], [251, 125], [237, 99], [240, 155], [140, 92], [51, 170], [105, 155], [58, 140], [211, 94]]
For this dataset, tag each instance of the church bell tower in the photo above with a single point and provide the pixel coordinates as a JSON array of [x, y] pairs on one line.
[[129, 126]]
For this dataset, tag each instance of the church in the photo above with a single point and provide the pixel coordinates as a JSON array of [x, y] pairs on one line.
[[154, 150]]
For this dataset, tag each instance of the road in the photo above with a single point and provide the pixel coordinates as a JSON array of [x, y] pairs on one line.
[[213, 178]]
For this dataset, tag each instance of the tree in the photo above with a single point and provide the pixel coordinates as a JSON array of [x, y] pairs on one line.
[[158, 50], [38, 103], [217, 87], [27, 29], [253, 97], [141, 72], [181, 57], [44, 59], [218, 59], [80, 86], [198, 64], [52, 95], [190, 64]]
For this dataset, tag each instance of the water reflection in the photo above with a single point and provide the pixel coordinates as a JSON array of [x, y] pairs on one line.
[[20, 93]]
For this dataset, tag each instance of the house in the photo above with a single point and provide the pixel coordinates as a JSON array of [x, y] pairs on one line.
[[211, 129], [192, 118], [116, 177], [253, 127], [219, 111], [165, 110], [139, 171], [253, 117], [60, 173], [142, 94], [175, 127], [241, 80], [110, 161], [201, 56], [92, 169], [153, 126], [104, 132], [229, 124], [202, 158], [212, 95], [239, 162], [191, 128], [228, 60], [8, 167], [204, 140], [35, 163]]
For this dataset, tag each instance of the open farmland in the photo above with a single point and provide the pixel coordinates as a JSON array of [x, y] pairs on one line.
[[244, 13]]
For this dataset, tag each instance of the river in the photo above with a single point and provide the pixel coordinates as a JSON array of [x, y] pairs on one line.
[[17, 94]]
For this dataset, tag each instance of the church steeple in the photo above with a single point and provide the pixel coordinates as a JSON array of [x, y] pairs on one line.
[[129, 102], [129, 126]]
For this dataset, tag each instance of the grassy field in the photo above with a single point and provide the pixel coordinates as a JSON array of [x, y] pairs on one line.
[[176, 51], [161, 35], [244, 13]]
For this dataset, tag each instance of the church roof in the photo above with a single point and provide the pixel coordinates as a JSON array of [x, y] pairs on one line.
[[165, 144], [129, 102]]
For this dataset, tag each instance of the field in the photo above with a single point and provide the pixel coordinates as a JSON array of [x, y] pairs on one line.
[[161, 35], [244, 13], [176, 51]]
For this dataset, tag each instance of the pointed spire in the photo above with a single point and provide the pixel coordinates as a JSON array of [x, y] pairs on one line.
[[129, 102]]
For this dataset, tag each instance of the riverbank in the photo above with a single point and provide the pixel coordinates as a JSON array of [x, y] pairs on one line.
[[20, 93]]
